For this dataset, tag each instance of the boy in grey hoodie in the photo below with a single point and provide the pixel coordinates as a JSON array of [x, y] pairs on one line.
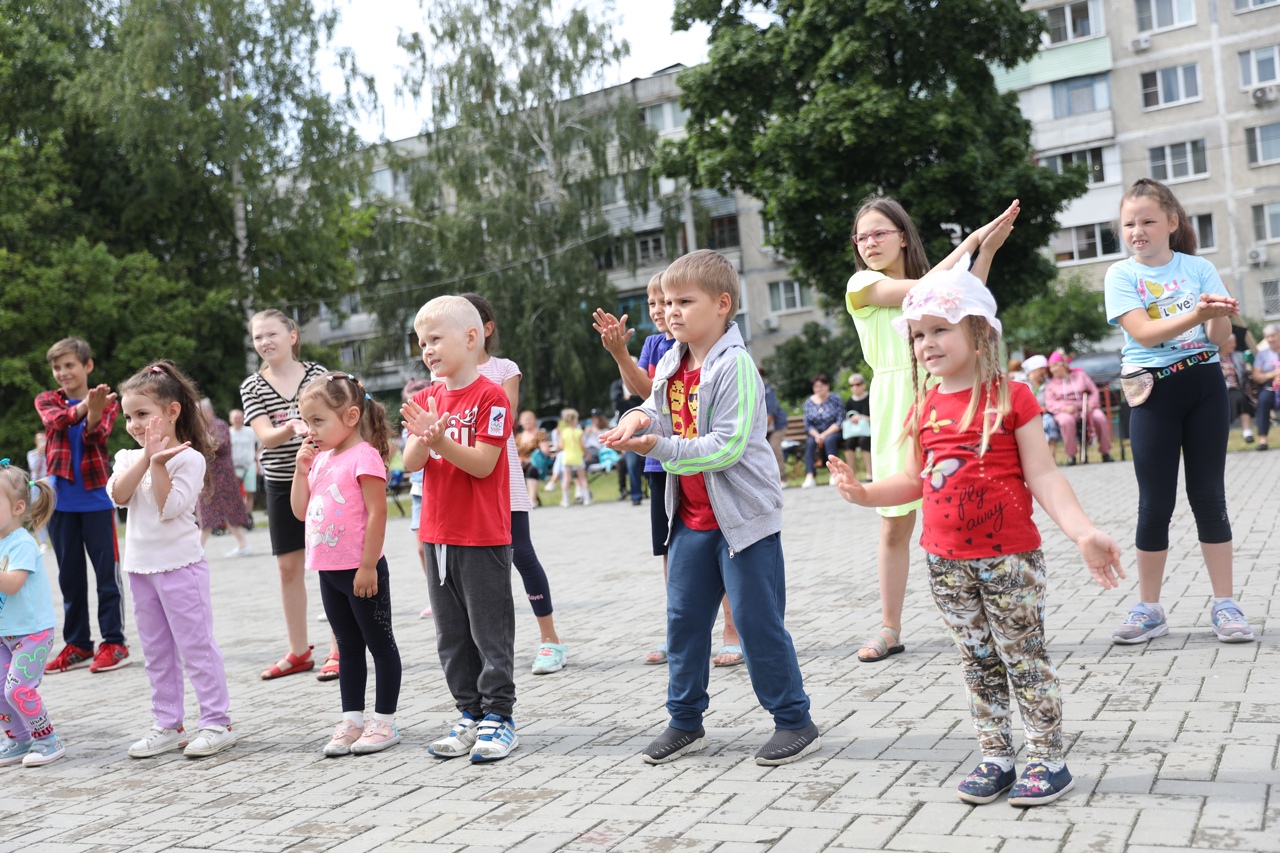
[[705, 421]]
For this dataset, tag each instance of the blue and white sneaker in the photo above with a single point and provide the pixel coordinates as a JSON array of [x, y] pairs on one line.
[[459, 741], [1142, 624], [44, 750], [495, 738], [987, 782], [1229, 623], [551, 658], [13, 751], [1039, 785]]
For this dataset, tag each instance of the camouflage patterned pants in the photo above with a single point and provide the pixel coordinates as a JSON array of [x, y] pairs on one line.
[[995, 611]]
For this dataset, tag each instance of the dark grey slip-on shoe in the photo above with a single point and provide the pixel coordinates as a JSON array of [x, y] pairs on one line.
[[788, 745], [673, 743]]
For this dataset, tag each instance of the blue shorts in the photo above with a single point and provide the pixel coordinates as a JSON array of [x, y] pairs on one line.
[[415, 514]]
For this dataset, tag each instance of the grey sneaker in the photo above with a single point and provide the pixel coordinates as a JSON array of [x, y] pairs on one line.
[[1229, 623], [1140, 625], [673, 743], [788, 745]]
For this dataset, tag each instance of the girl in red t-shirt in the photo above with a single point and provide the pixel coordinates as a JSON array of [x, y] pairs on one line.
[[980, 454]]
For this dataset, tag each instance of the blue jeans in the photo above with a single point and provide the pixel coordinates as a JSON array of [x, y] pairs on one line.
[[635, 470], [71, 534], [830, 447], [700, 571]]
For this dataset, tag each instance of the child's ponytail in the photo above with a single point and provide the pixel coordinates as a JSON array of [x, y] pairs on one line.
[[1183, 239], [165, 383], [38, 496], [486, 318], [341, 391]]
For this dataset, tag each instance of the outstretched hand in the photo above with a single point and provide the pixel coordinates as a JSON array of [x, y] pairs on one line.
[[613, 331], [1102, 555], [99, 398], [621, 437], [1005, 219], [846, 482]]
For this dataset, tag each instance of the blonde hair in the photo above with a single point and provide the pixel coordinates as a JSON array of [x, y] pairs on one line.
[[69, 346], [655, 285], [38, 495], [456, 312], [289, 325], [341, 391], [989, 380], [569, 414], [709, 271]]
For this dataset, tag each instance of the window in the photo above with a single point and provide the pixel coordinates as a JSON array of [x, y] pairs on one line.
[[1085, 243], [668, 115], [1081, 95], [1074, 21], [788, 296], [1260, 66], [1266, 222], [636, 307], [724, 233], [1170, 86], [383, 182], [1203, 223], [613, 256], [352, 354], [1091, 158], [1246, 5], [1178, 161], [1271, 297], [1264, 144], [1162, 14], [650, 248]]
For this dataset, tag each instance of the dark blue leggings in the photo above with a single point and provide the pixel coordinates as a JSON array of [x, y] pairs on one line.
[[531, 571], [1187, 415], [360, 623]]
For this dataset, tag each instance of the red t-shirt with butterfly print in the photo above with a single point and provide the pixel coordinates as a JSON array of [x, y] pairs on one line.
[[975, 507]]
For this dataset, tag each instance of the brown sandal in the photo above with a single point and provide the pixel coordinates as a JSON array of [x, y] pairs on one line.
[[329, 671], [297, 663]]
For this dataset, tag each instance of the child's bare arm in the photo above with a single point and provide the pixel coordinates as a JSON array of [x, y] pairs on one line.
[[12, 580], [901, 488], [478, 461]]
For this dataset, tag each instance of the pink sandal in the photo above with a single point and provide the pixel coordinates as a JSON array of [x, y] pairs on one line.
[[297, 663]]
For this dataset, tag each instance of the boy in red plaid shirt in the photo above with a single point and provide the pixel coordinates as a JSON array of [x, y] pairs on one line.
[[77, 420]]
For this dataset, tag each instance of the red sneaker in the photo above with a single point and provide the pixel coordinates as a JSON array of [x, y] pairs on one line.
[[110, 656], [71, 657]]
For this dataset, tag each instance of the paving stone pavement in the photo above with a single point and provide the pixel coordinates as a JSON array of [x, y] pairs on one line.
[[1173, 744]]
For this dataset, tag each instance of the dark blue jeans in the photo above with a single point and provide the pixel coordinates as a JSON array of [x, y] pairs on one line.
[[635, 470], [700, 571], [71, 534], [830, 447]]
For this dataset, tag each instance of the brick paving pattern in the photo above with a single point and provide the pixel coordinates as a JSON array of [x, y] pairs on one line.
[[1173, 744]]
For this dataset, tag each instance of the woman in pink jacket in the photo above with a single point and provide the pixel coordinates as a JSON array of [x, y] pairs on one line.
[[1068, 393]]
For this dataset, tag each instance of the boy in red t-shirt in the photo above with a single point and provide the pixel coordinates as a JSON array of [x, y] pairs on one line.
[[458, 431]]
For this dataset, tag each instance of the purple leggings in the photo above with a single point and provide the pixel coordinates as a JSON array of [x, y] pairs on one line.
[[23, 660]]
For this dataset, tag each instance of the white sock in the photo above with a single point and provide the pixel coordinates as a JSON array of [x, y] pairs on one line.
[[1005, 762], [1054, 766], [384, 718], [356, 718], [1247, 432], [1156, 606]]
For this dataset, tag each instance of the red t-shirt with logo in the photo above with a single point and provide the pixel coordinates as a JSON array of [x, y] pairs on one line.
[[457, 508], [975, 507], [682, 397]]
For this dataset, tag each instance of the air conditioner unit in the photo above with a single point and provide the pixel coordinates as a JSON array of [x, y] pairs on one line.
[[1257, 255], [1264, 95], [1141, 43], [770, 323]]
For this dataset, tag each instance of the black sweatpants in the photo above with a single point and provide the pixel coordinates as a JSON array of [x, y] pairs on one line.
[[360, 623]]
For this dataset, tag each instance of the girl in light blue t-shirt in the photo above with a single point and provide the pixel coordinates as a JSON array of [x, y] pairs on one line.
[[27, 620], [1175, 312]]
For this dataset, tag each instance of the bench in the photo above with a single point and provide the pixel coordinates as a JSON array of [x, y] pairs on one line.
[[397, 484]]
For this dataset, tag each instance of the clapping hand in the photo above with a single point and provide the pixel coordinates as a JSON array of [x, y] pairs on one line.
[[621, 437], [1213, 305], [425, 424], [614, 333], [155, 444]]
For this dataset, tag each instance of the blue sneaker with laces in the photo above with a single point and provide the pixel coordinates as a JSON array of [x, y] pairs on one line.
[[1142, 624], [1039, 785], [987, 782], [495, 738], [1229, 623]]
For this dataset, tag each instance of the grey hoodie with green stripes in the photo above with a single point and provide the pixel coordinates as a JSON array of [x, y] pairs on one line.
[[731, 451]]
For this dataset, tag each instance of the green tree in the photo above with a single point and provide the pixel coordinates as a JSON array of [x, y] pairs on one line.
[[1070, 317], [810, 106], [508, 195], [815, 350]]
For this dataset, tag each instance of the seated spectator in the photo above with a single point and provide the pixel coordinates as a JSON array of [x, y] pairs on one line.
[[1239, 384], [855, 432], [1266, 375], [598, 423], [534, 449], [776, 426], [1036, 368], [1070, 395], [823, 412]]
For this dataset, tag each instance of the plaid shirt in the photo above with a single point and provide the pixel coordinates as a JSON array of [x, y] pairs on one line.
[[57, 414]]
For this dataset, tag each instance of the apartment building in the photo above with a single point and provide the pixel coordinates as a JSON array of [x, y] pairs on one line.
[[774, 306], [1185, 91]]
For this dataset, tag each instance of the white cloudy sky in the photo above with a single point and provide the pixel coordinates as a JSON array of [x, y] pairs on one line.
[[644, 24]]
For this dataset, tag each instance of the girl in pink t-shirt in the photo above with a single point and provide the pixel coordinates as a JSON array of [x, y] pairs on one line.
[[339, 493], [979, 456]]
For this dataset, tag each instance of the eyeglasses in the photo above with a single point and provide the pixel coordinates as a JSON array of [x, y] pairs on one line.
[[856, 384], [875, 236]]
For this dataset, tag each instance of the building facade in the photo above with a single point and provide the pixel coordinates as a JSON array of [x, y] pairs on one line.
[[1184, 91]]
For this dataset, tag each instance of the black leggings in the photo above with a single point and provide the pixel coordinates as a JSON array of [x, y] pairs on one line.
[[526, 561], [360, 623], [1186, 414]]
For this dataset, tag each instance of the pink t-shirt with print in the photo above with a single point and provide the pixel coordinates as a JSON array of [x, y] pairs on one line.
[[336, 514]]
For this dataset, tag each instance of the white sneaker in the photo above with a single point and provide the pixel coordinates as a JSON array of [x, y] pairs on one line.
[[586, 499], [210, 740], [240, 552], [496, 739], [809, 482], [550, 486], [322, 617], [157, 742], [564, 501], [458, 742]]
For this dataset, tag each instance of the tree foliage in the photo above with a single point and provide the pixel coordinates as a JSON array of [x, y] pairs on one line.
[[815, 350], [1070, 317], [508, 194], [811, 106]]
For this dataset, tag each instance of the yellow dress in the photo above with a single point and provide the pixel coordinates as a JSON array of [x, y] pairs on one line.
[[891, 393]]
